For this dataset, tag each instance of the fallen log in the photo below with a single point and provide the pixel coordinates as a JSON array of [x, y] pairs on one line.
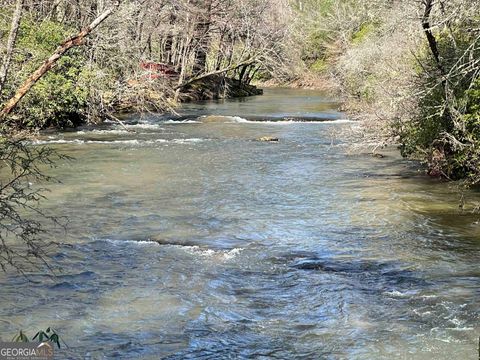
[[216, 72]]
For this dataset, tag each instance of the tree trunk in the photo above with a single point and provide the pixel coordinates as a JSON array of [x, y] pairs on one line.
[[202, 29], [168, 54], [243, 71], [76, 40], [449, 110], [432, 41], [216, 72], [12, 37]]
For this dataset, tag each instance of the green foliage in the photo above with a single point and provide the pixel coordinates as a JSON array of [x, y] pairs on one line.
[[328, 27], [365, 30], [446, 131], [466, 159], [315, 46], [319, 66], [39, 39], [59, 98], [316, 36]]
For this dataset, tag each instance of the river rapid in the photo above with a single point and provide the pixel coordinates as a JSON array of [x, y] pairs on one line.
[[189, 239]]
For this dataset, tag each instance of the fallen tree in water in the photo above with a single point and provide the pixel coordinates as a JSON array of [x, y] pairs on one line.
[[215, 87]]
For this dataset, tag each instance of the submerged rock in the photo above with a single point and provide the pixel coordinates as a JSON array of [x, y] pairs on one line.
[[221, 119], [268, 139]]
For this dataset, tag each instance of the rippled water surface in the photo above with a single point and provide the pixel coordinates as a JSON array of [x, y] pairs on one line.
[[189, 239]]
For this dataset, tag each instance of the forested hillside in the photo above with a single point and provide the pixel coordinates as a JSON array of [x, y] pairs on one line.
[[408, 67], [142, 54]]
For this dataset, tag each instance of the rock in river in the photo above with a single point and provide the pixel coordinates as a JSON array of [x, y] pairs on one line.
[[268, 139]]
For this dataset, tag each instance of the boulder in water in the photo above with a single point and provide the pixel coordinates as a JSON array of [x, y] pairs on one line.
[[268, 139]]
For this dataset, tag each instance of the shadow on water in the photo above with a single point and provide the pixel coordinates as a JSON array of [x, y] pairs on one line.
[[194, 241]]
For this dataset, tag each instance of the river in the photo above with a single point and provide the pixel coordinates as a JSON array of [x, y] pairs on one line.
[[189, 239]]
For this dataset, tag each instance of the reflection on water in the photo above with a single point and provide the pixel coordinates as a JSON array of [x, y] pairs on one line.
[[190, 240]]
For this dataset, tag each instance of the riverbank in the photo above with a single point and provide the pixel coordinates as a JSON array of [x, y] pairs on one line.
[[214, 87], [307, 80], [217, 87], [413, 79]]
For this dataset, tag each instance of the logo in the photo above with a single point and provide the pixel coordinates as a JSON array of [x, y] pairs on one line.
[[26, 351]]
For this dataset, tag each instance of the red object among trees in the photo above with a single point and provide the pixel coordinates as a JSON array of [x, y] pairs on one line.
[[157, 70]]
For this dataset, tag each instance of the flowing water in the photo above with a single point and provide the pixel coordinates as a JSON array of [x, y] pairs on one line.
[[189, 239]]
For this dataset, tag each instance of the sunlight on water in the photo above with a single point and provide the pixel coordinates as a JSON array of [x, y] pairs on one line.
[[188, 238]]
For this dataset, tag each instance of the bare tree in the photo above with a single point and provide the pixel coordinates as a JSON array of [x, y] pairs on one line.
[[21, 243], [17, 16]]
